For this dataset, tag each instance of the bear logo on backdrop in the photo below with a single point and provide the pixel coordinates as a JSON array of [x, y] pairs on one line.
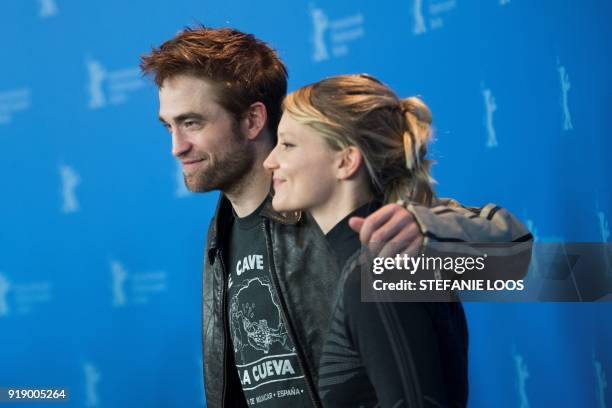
[[92, 378], [490, 108], [24, 297], [434, 14], [111, 87], [419, 18], [522, 374], [70, 180], [604, 228], [565, 87], [13, 101], [5, 286], [47, 8], [331, 38], [135, 288], [602, 383]]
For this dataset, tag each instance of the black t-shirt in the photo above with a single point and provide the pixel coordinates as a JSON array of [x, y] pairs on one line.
[[264, 355], [390, 354]]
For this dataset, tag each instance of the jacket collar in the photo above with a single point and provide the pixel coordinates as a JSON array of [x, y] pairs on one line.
[[223, 216]]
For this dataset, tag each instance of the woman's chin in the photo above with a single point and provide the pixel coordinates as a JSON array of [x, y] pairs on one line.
[[280, 205]]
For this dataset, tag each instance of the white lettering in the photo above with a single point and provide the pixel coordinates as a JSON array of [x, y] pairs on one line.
[[249, 263], [287, 368], [278, 365], [245, 378], [265, 397], [270, 368], [238, 268]]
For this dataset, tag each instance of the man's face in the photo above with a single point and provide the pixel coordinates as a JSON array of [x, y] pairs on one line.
[[205, 137]]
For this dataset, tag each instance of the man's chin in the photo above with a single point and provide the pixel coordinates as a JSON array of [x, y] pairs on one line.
[[196, 184]]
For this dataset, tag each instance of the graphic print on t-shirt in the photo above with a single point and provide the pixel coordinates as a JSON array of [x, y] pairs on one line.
[[249, 326], [261, 344]]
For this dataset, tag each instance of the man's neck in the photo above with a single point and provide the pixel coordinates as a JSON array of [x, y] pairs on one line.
[[251, 192]]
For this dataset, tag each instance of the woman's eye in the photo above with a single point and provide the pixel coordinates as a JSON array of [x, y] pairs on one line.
[[287, 145]]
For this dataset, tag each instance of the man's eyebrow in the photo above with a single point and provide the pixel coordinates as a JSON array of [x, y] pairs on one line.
[[185, 116]]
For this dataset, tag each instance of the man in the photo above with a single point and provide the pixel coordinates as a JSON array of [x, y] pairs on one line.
[[269, 278]]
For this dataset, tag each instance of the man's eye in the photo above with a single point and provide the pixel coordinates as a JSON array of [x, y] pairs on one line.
[[167, 127], [190, 124]]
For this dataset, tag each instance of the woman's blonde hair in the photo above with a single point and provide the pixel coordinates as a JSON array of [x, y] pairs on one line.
[[391, 133]]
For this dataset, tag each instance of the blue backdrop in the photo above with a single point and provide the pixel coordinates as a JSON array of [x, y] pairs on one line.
[[101, 245]]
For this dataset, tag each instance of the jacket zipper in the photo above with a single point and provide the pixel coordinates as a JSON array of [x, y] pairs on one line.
[[309, 386]]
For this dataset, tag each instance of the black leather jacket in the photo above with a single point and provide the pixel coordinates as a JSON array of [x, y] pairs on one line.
[[305, 276]]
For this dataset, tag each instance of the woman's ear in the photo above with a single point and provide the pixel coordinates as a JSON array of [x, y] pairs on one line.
[[254, 121], [349, 162]]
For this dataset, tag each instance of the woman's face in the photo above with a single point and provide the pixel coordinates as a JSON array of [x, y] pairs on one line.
[[303, 167]]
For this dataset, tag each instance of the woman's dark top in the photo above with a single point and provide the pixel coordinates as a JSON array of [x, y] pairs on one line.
[[383, 354]]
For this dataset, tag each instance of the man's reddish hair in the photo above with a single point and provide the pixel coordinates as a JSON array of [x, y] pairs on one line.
[[241, 68]]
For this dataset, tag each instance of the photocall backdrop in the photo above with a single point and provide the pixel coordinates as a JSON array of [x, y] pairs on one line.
[[101, 245]]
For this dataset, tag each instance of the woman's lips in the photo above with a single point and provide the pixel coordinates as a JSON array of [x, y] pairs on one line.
[[276, 181]]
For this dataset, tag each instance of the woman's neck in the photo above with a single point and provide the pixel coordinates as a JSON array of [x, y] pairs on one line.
[[341, 203]]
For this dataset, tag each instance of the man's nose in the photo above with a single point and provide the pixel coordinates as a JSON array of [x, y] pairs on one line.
[[180, 144]]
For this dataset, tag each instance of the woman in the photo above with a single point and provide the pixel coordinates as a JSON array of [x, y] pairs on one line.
[[347, 145]]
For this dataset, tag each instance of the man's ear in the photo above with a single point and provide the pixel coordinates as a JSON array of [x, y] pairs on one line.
[[254, 120], [349, 162]]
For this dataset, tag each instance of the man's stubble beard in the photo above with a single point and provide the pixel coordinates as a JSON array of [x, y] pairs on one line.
[[229, 171]]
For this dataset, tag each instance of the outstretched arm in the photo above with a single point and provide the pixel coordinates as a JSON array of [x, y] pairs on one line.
[[396, 228]]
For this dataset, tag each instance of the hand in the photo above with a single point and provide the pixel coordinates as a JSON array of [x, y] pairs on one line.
[[390, 230]]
